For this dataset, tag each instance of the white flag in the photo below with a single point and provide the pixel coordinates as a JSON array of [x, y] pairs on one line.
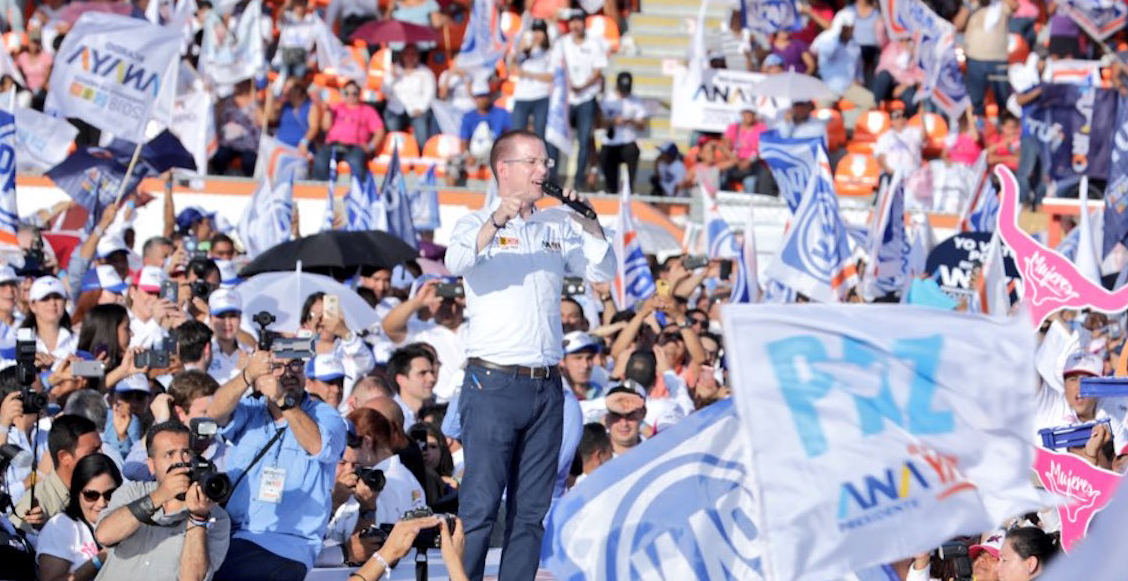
[[109, 72], [193, 122], [1088, 258], [41, 140], [267, 217], [334, 57], [279, 162], [880, 431], [228, 56], [7, 67]]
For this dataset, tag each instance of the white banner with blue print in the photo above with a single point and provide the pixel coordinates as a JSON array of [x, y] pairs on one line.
[[677, 507], [879, 431]]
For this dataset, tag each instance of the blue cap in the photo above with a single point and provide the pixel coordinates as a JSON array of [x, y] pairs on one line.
[[103, 277], [189, 216]]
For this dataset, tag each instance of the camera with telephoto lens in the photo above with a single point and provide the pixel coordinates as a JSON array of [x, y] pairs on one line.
[[214, 484], [34, 402], [373, 478]]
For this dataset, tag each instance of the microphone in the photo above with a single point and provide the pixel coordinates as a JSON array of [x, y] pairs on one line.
[[557, 192]]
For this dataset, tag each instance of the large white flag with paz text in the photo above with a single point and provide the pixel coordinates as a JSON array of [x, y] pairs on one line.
[[109, 72], [879, 431]]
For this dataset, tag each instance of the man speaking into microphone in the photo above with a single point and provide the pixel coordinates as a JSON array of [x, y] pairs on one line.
[[513, 259]]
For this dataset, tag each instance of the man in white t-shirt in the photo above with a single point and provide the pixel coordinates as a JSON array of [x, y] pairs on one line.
[[898, 149], [1056, 409], [669, 178], [585, 57], [624, 116]]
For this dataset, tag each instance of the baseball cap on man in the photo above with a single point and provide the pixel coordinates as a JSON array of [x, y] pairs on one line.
[[1082, 363], [577, 341], [224, 301], [149, 279], [324, 367], [625, 398], [46, 286], [991, 545]]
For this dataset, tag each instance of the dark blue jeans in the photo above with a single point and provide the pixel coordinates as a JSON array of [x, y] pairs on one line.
[[979, 75], [523, 110], [247, 561], [351, 154], [511, 429], [1031, 186], [420, 125], [583, 119]]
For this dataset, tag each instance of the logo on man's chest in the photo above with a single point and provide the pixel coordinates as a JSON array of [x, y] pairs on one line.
[[508, 241]]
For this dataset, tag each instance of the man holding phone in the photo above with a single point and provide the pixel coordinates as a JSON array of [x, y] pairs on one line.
[[513, 259]]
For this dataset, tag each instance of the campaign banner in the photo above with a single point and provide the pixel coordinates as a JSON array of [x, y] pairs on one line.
[[953, 262], [1049, 280], [864, 423], [1066, 120], [41, 140], [1100, 18], [904, 18], [1088, 488], [713, 99], [1116, 192], [109, 72], [770, 16]]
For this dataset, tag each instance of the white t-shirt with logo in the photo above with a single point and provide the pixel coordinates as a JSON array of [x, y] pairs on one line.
[[616, 107], [402, 492], [581, 61], [67, 539]]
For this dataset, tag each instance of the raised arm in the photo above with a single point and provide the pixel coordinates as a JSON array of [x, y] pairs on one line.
[[227, 397]]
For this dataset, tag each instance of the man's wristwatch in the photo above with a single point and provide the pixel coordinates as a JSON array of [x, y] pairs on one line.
[[288, 402]]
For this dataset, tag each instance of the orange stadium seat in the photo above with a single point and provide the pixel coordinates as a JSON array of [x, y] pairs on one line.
[[1017, 49], [408, 152], [835, 128], [605, 28], [438, 149], [935, 130], [871, 124], [857, 174]]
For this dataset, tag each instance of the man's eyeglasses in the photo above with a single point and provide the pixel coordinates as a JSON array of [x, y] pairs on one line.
[[94, 495], [294, 366], [635, 416], [547, 162]]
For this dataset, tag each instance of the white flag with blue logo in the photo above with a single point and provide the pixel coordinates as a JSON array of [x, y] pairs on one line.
[[424, 200], [746, 289], [677, 507], [397, 207], [267, 218], [633, 279], [793, 163], [484, 44], [327, 218], [363, 208], [879, 431], [109, 72], [720, 239], [814, 258], [9, 212]]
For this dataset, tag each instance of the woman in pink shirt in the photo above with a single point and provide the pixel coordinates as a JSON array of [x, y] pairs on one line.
[[353, 131], [743, 140], [965, 147], [35, 65]]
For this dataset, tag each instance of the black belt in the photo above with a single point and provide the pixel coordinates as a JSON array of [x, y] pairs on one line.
[[518, 370]]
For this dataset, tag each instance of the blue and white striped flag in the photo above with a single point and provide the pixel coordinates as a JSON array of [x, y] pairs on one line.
[[747, 286], [558, 131], [484, 43], [363, 208], [720, 239], [9, 212], [397, 207], [984, 217], [679, 506], [633, 279]]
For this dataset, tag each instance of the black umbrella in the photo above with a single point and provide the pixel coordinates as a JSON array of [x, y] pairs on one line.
[[334, 252]]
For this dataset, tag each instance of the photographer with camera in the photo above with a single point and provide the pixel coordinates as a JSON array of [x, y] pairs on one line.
[[350, 536], [404, 536], [70, 439], [168, 529], [18, 429], [201, 278], [285, 447]]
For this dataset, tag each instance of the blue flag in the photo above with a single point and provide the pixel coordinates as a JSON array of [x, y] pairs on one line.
[[424, 201], [484, 44], [1116, 193], [91, 176], [397, 206], [983, 217], [680, 502], [327, 218], [363, 209], [793, 163], [9, 214], [158, 155]]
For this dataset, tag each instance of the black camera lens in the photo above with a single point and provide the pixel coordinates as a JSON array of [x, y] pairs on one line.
[[373, 478], [33, 401], [216, 486]]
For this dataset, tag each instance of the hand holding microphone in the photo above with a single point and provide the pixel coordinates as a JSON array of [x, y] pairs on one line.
[[572, 201]]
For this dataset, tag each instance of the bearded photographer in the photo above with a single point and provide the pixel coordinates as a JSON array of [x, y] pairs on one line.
[[284, 451], [354, 508], [168, 529]]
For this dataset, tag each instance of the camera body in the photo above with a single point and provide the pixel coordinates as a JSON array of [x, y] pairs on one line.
[[292, 347], [34, 402], [450, 290], [266, 337], [957, 553], [373, 478], [573, 285], [157, 357], [214, 484]]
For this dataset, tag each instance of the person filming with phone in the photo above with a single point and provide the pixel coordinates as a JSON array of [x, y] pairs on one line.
[[513, 258]]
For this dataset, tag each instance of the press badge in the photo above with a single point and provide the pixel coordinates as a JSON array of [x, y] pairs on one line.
[[270, 486]]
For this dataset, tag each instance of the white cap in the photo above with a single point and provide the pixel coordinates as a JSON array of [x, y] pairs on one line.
[[480, 87], [224, 300], [577, 341], [45, 286], [1083, 363], [8, 274], [105, 277], [228, 273], [110, 244], [149, 279], [325, 367], [135, 382], [843, 18]]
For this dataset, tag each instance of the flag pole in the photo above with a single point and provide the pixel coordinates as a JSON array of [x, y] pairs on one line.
[[129, 171]]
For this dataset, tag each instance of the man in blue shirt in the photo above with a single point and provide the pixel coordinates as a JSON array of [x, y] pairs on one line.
[[481, 126], [280, 504]]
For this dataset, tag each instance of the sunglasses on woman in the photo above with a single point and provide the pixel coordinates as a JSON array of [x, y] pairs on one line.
[[94, 495]]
